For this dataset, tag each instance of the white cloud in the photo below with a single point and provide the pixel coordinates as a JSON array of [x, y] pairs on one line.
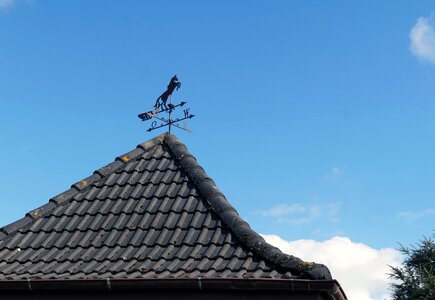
[[410, 216], [422, 37], [6, 5], [334, 174], [360, 269], [299, 214], [281, 210]]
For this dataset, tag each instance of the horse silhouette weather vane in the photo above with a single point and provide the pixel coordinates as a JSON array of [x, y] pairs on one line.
[[161, 106]]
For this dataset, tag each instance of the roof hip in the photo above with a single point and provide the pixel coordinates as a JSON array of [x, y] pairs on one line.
[[177, 152], [207, 188]]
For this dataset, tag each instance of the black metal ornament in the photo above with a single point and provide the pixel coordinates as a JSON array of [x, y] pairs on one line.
[[161, 106]]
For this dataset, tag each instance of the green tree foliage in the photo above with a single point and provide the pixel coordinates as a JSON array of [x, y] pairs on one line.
[[415, 279]]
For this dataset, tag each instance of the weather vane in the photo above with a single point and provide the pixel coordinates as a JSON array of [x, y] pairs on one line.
[[162, 106]]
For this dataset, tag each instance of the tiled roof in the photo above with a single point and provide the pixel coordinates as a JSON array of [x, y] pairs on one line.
[[152, 213]]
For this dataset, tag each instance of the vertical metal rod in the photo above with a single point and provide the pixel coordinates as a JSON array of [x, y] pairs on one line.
[[170, 111]]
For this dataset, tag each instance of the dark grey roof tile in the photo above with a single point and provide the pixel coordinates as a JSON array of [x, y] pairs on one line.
[[10, 268], [110, 180], [177, 237], [110, 168], [13, 227], [132, 221], [115, 193], [171, 221], [143, 253], [137, 192], [65, 196], [98, 222], [11, 241], [166, 205], [178, 205], [150, 237], [191, 236], [118, 206], [37, 225], [131, 166], [132, 155], [124, 238], [61, 239], [74, 239], [209, 222], [173, 266], [109, 239], [170, 177], [133, 178], [164, 236], [197, 220], [42, 210], [183, 190], [100, 253], [120, 222], [205, 236], [53, 223], [221, 237], [84, 183], [185, 219], [191, 204], [226, 251], [72, 223], [205, 263], [146, 220], [146, 165], [237, 264], [123, 178], [104, 207], [158, 221], [212, 251], [183, 252], [11, 256], [129, 252], [85, 222], [22, 255], [88, 194], [177, 176], [153, 205], [25, 239], [220, 265], [153, 213], [160, 190], [148, 191], [104, 191], [43, 255], [92, 238]]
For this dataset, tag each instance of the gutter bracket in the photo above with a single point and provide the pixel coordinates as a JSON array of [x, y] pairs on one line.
[[108, 286], [199, 283], [292, 284]]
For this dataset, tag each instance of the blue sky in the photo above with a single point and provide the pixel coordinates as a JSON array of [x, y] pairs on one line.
[[315, 118]]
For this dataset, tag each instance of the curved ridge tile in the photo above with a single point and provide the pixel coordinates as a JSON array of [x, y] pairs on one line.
[[230, 217], [151, 213]]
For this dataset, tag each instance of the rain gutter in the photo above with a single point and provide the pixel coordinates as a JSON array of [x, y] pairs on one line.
[[329, 287]]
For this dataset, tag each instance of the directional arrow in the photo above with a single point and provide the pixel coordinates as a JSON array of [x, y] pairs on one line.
[[171, 122], [150, 114]]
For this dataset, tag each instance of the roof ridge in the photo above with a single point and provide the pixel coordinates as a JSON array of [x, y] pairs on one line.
[[65, 197], [229, 216], [205, 186]]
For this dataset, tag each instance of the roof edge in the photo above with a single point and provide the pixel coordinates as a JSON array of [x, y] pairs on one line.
[[207, 188], [330, 287], [65, 197]]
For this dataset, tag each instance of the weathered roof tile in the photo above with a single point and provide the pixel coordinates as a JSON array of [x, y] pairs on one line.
[[152, 213]]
